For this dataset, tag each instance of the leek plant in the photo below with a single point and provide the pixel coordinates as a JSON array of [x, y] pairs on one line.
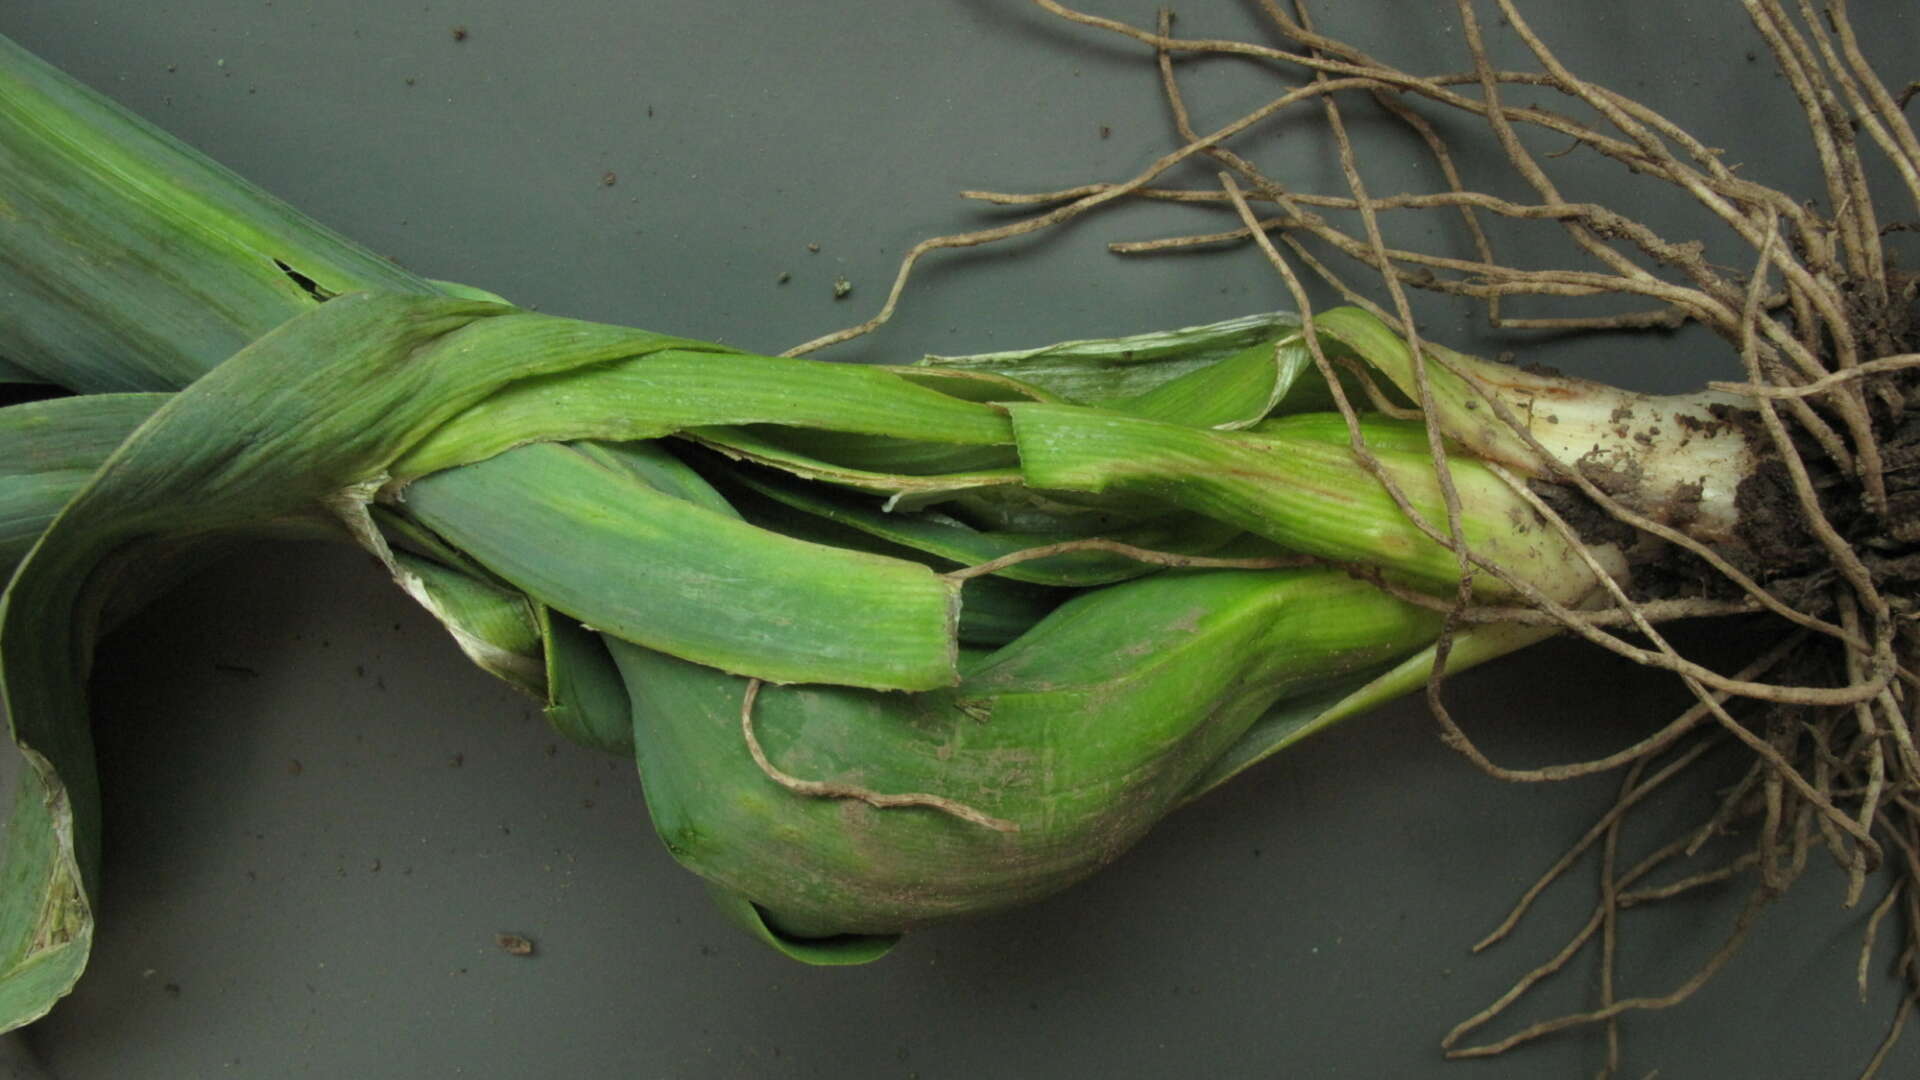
[[888, 645]]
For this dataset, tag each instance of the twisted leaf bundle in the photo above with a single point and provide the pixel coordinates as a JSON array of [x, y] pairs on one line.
[[750, 573]]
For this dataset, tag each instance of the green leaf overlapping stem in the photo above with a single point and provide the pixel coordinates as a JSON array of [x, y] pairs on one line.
[[1099, 370], [633, 542], [275, 440], [1301, 491], [652, 569], [665, 389], [1079, 735], [943, 534], [498, 461]]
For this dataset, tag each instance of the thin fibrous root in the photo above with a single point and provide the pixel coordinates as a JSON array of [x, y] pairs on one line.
[[1139, 554], [820, 789], [1893, 1039], [1630, 796], [1824, 384], [1742, 926], [1880, 911]]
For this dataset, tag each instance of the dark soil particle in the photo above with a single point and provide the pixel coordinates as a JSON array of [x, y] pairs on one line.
[[1777, 546], [1592, 524]]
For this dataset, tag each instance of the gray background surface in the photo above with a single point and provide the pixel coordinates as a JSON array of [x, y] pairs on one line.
[[320, 815]]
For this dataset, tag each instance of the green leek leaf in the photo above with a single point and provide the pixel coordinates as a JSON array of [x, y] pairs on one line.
[[1105, 369], [651, 568]]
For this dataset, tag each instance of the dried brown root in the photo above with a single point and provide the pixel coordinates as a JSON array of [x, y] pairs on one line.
[[820, 789], [1138, 554]]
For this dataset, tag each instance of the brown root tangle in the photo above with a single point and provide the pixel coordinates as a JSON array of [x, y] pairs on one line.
[[1822, 321]]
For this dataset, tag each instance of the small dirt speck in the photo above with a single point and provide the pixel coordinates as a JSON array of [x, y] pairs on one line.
[[459, 33], [842, 288], [513, 945]]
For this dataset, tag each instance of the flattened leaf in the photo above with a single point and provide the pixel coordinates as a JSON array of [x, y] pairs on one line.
[[655, 569], [949, 539], [184, 262], [1103, 369], [669, 384]]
